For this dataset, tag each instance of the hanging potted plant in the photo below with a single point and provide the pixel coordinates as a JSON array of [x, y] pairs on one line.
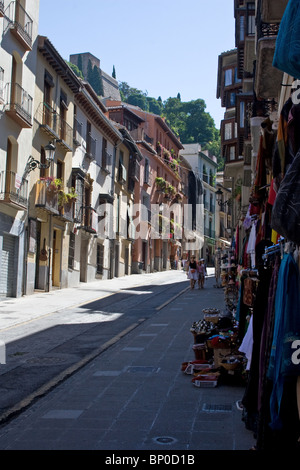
[[65, 200], [160, 183], [52, 184], [158, 148]]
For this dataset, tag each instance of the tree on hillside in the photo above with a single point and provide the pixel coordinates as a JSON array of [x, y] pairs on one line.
[[155, 106], [94, 78], [137, 99], [188, 120], [75, 69], [114, 72]]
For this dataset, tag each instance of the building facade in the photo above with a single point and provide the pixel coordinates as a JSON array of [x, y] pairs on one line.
[[204, 166], [18, 55]]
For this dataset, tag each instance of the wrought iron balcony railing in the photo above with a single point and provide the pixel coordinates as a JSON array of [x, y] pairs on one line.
[[20, 23], [54, 125], [46, 197], [67, 211], [18, 104], [13, 189], [77, 132]]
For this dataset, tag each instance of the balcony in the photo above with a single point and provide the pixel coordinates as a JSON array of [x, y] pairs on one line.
[[272, 11], [267, 78], [46, 197], [77, 132], [106, 161], [13, 190], [18, 104], [122, 174], [139, 134], [66, 211], [91, 143], [56, 127], [90, 220], [20, 24], [134, 170]]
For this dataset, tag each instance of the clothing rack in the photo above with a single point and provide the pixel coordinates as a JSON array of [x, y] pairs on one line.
[[249, 271], [283, 246]]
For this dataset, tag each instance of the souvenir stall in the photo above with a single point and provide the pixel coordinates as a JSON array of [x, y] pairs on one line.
[[216, 350], [269, 291]]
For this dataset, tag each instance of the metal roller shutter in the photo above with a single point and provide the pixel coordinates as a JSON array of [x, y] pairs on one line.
[[7, 266]]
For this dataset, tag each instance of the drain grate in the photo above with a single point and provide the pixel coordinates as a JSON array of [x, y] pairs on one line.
[[214, 408]]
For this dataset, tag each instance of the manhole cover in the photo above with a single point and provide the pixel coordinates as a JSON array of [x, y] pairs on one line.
[[164, 440], [213, 408]]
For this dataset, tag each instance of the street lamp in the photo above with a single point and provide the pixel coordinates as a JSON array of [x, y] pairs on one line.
[[32, 163], [49, 152], [219, 194]]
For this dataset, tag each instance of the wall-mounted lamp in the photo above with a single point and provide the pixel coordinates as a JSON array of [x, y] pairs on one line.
[[32, 163], [49, 152], [219, 194]]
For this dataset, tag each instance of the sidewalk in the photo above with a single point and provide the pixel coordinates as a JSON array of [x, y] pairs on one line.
[[134, 396]]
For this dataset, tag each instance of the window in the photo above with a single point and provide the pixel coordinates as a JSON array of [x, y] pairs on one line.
[[100, 259], [104, 154], [242, 113], [242, 28], [147, 172], [121, 170], [43, 162], [48, 85], [236, 79], [71, 251], [228, 131], [232, 152], [60, 170], [228, 77], [251, 19]]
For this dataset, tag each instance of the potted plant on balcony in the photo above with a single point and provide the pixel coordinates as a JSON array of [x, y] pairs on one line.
[[65, 200], [161, 184], [52, 184], [167, 156], [158, 148], [169, 191]]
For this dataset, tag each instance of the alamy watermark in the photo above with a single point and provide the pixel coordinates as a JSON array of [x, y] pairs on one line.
[[2, 352], [296, 355], [155, 221]]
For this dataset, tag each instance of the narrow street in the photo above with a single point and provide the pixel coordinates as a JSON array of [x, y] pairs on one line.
[[49, 336], [128, 391]]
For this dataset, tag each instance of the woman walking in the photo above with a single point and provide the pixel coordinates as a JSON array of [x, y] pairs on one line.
[[192, 271], [201, 273]]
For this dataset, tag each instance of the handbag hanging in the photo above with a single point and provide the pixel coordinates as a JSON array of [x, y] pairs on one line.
[[285, 218]]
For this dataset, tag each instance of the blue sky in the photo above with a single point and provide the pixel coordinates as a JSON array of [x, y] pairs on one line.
[[162, 47]]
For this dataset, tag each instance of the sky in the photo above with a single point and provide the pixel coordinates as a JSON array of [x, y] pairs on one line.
[[161, 47]]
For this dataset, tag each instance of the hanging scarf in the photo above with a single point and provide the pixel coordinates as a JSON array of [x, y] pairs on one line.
[[282, 363]]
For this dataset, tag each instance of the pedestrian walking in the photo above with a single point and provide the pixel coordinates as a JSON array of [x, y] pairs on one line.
[[192, 271], [201, 273]]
